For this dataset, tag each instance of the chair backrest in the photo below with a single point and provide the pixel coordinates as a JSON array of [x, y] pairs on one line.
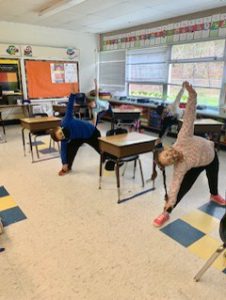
[[80, 98], [116, 131]]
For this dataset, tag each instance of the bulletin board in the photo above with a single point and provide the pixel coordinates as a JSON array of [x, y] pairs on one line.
[[50, 79]]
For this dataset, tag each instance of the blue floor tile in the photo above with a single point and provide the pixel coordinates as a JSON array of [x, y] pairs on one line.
[[3, 192], [12, 215], [213, 210], [182, 232], [37, 143], [48, 150]]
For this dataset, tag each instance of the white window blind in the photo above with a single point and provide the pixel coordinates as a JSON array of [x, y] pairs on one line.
[[112, 70], [147, 65]]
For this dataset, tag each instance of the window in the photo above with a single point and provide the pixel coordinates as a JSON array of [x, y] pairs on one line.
[[202, 64], [146, 90], [112, 71], [158, 72], [146, 72]]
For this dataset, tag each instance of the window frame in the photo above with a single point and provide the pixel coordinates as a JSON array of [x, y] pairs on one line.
[[203, 60], [157, 83], [166, 83], [110, 62]]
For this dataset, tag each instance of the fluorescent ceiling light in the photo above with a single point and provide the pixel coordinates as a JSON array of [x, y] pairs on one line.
[[58, 7]]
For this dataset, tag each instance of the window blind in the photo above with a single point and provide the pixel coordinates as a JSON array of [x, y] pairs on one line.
[[112, 70], [147, 65]]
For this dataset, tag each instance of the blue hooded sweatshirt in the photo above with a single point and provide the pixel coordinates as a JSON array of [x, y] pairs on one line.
[[76, 128]]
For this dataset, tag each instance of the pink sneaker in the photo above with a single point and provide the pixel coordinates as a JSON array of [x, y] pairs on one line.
[[218, 199], [161, 219]]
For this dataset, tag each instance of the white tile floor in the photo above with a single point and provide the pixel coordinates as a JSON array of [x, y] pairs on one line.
[[78, 243]]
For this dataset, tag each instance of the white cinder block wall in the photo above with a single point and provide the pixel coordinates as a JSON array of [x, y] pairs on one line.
[[45, 36]]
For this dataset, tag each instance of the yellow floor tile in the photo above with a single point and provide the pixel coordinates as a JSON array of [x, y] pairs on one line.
[[43, 146], [205, 247], [108, 173], [201, 221], [6, 203]]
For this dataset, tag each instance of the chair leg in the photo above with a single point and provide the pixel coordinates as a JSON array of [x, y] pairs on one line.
[[58, 146], [141, 172], [124, 169], [118, 178], [134, 168], [50, 144], [209, 262], [1, 227], [36, 146]]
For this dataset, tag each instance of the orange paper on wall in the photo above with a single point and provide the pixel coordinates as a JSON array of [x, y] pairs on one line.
[[39, 81]]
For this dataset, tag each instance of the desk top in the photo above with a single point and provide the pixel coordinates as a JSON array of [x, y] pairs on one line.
[[40, 123], [65, 105], [40, 120], [126, 110], [124, 145], [205, 122], [131, 138], [12, 105]]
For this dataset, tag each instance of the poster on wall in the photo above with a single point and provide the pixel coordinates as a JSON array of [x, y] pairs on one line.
[[196, 29], [63, 73], [57, 73], [70, 73]]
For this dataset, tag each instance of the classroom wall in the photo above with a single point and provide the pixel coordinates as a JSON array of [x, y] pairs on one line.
[[45, 36]]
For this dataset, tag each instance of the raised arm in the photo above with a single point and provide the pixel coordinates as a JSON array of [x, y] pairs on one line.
[[70, 105], [174, 187], [190, 113], [180, 94], [173, 106]]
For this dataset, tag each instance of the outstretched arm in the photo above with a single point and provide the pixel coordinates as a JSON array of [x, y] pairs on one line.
[[70, 105], [173, 106], [63, 153], [181, 92], [190, 113]]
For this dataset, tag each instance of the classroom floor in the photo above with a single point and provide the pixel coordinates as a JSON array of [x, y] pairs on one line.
[[66, 239]]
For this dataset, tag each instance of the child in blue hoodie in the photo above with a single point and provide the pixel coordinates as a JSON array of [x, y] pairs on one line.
[[73, 133]]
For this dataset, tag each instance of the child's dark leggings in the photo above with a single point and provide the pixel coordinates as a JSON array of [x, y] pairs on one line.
[[167, 122], [74, 145], [191, 176]]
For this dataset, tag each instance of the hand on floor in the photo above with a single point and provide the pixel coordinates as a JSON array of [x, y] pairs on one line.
[[63, 172]]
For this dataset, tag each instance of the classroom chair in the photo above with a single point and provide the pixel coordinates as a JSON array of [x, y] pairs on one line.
[[125, 160], [40, 133]]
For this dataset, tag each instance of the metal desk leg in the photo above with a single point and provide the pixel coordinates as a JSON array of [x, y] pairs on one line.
[[141, 172], [112, 123], [117, 178], [1, 231], [31, 148], [100, 169], [210, 261], [153, 176], [3, 127], [23, 140]]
